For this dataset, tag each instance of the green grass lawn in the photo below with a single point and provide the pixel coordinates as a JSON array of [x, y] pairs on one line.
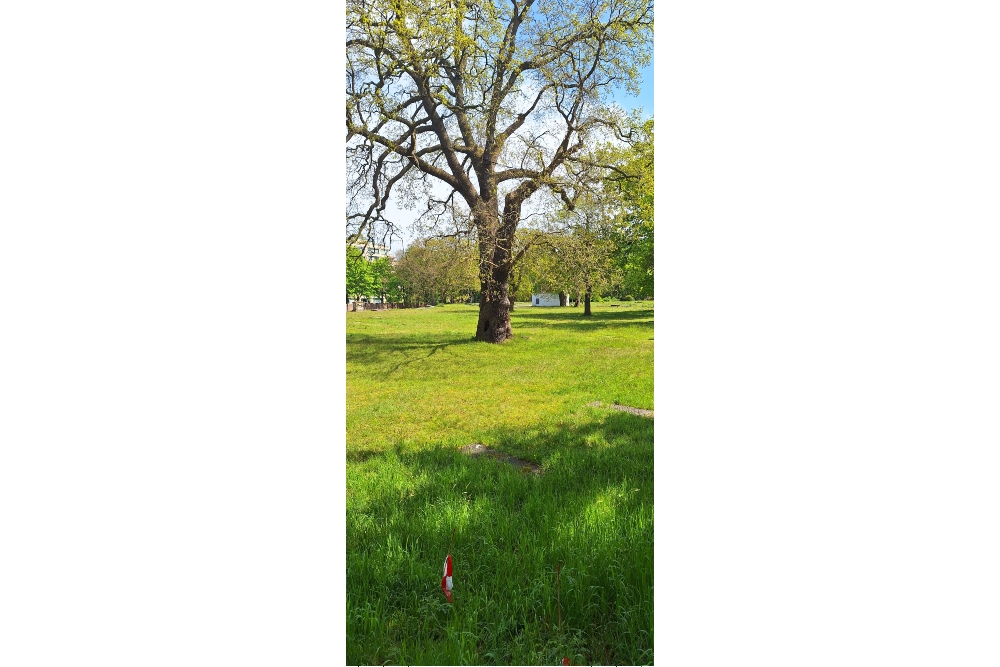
[[418, 389]]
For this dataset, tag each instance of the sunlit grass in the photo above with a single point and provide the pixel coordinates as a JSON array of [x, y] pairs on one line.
[[419, 388]]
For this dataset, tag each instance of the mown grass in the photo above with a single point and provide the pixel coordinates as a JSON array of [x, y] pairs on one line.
[[419, 388]]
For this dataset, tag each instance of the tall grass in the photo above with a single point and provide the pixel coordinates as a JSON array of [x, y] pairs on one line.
[[418, 389]]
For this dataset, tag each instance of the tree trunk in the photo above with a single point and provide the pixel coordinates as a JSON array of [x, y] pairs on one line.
[[496, 241], [576, 300], [495, 298], [586, 302], [562, 299], [511, 299], [494, 311]]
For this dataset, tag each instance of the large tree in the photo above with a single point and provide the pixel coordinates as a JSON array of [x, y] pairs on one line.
[[493, 100]]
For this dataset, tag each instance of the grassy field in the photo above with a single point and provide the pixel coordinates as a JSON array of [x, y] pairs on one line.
[[418, 389]]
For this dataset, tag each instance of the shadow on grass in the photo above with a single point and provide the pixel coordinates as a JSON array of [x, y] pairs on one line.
[[363, 348], [590, 513], [571, 313], [562, 319]]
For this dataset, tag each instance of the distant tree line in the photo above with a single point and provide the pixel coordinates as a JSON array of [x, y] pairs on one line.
[[428, 272], [434, 271]]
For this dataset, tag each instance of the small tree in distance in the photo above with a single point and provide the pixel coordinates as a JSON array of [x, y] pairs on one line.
[[588, 251]]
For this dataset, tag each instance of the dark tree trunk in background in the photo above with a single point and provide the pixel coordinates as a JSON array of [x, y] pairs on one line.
[[562, 298], [586, 302], [511, 299], [576, 300]]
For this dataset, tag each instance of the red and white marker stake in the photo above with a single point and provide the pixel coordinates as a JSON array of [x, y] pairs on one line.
[[446, 579]]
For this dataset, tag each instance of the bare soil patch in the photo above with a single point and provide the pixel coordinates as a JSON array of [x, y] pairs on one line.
[[624, 408], [476, 449]]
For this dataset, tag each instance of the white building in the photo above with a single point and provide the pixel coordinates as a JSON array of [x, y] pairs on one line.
[[372, 251], [545, 299]]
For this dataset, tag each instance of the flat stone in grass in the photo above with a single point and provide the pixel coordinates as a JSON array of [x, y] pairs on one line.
[[476, 449], [624, 408]]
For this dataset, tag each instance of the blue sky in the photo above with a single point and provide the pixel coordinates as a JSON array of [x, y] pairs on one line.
[[645, 98]]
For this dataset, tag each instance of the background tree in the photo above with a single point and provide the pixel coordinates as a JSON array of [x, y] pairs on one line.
[[529, 244], [396, 291], [360, 280], [382, 274], [414, 270], [437, 270], [496, 100], [456, 262], [629, 189], [540, 269], [588, 251]]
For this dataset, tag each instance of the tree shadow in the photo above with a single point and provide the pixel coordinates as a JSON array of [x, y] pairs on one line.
[[363, 348], [570, 312], [580, 322], [590, 512]]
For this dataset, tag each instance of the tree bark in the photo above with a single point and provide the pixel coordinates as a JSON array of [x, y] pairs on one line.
[[586, 302], [562, 299], [494, 311], [496, 240]]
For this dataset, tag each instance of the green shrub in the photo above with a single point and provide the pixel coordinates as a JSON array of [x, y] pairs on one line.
[[629, 297]]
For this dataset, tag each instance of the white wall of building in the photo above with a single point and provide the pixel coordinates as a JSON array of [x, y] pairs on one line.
[[545, 299]]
